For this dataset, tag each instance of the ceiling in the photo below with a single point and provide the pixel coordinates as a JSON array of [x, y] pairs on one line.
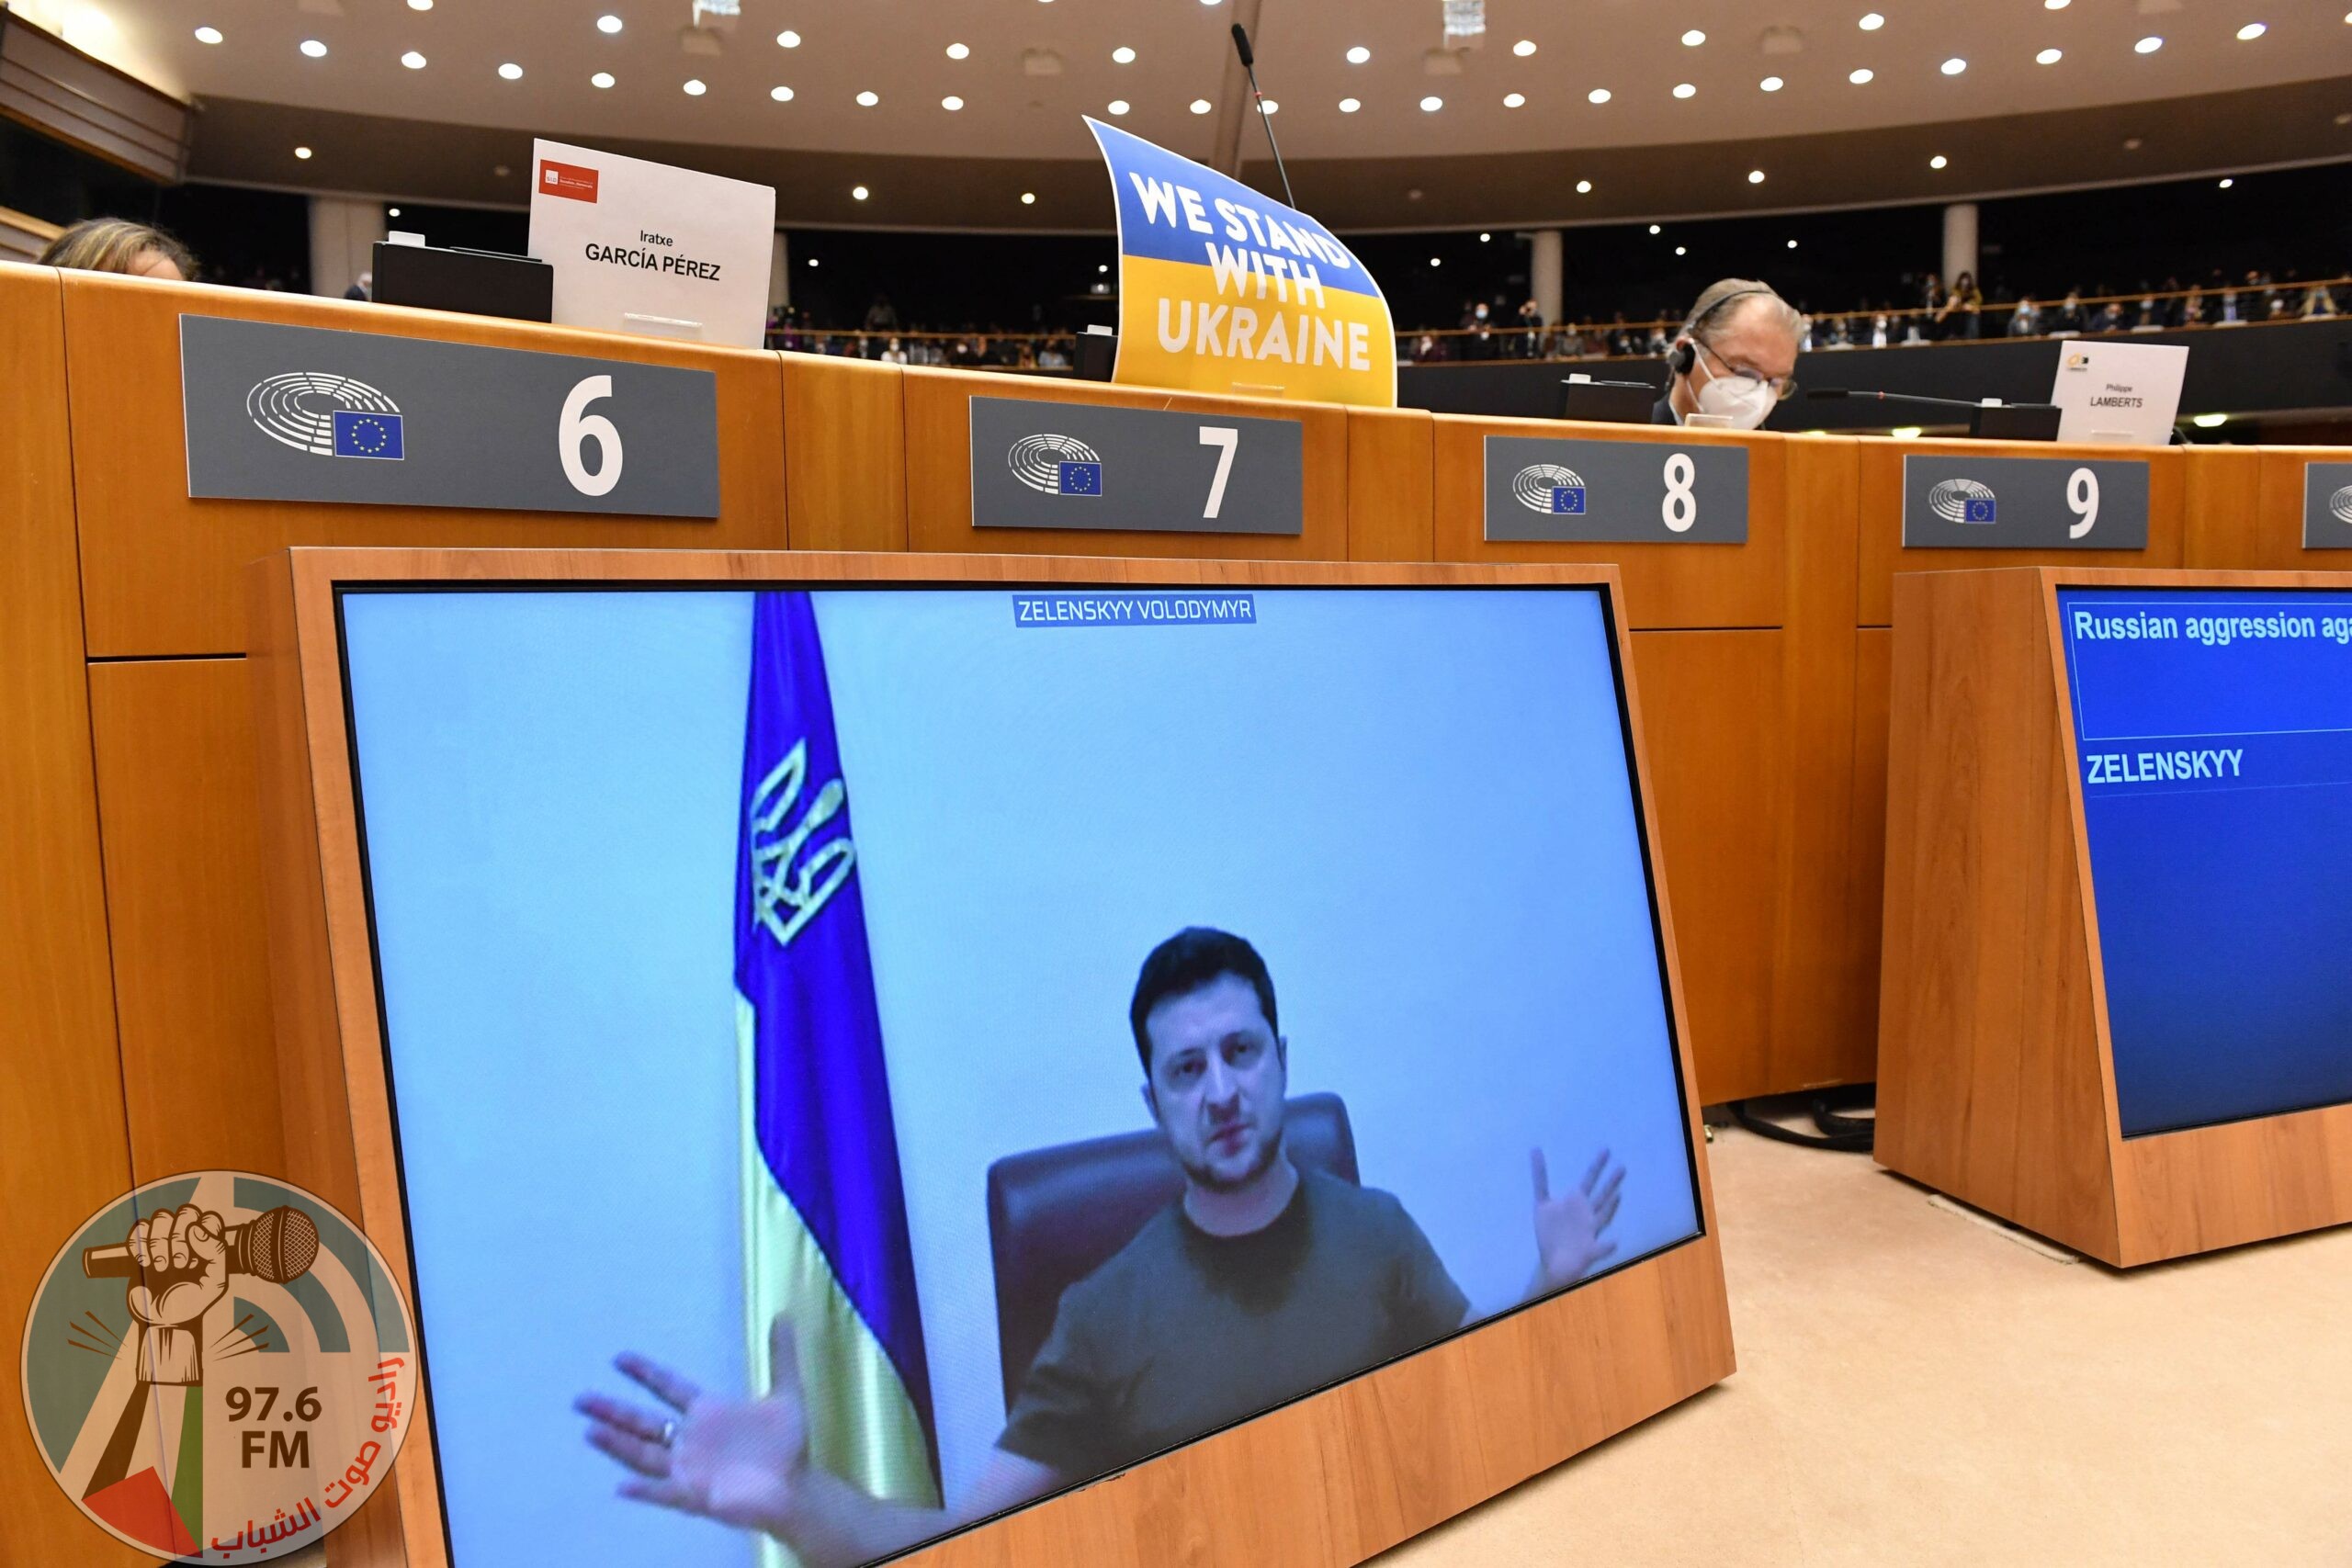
[[897, 49]]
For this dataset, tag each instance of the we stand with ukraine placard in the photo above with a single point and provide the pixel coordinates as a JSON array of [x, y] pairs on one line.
[[1223, 291]]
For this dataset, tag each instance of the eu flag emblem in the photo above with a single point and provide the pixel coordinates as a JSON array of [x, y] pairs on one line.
[[1568, 500], [1982, 508], [1078, 479], [359, 434]]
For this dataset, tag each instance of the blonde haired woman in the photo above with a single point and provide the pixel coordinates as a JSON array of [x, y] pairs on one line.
[[116, 244]]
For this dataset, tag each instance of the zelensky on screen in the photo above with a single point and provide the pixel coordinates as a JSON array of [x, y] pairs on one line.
[[1034, 1052], [2214, 730]]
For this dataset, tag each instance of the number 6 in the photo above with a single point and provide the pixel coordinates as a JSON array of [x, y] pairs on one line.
[[2082, 500], [577, 426]]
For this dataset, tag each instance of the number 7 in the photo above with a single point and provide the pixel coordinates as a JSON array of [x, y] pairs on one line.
[[1227, 438]]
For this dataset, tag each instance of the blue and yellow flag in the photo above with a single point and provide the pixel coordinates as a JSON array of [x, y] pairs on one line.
[[824, 1211], [1223, 290]]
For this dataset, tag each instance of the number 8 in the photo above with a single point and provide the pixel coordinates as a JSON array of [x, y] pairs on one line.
[[1679, 510]]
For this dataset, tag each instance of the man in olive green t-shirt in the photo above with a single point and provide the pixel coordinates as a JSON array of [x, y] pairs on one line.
[[1259, 1283]]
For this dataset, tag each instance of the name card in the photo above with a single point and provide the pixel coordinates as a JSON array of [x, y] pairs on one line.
[[278, 412], [2327, 506], [1050, 465], [1617, 493], [2024, 503]]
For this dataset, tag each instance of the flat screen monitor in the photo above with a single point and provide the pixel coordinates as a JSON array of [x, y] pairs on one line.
[[2214, 731], [1060, 1022]]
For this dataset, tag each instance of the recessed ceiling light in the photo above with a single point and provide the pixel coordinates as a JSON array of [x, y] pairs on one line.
[[1523, 48], [2133, 144], [1123, 55], [1954, 66], [1598, 96], [413, 61], [812, 261], [1270, 106], [1792, 244], [2227, 183], [601, 79], [2049, 57], [868, 99], [1584, 188], [208, 34], [2209, 421], [1656, 229], [608, 23], [1118, 105], [1028, 198], [2347, 118], [1102, 266], [694, 87], [1681, 250], [790, 39], [1432, 104], [951, 103], [959, 51], [2252, 31], [1358, 55], [1685, 90], [420, 5], [1199, 106], [1434, 262], [1871, 21], [1693, 39], [1937, 161], [391, 212], [301, 152], [781, 95], [1772, 84], [858, 193], [1859, 78], [1756, 176], [2054, 4], [512, 72], [1485, 238], [1349, 106], [314, 49], [1514, 100], [2148, 45]]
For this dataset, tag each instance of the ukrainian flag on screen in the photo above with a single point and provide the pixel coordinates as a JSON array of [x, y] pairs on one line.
[[1222, 289], [824, 1211]]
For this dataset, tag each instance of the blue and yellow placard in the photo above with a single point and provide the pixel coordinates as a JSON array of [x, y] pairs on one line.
[[1222, 290]]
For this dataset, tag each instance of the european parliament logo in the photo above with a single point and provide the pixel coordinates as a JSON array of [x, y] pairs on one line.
[[1964, 500], [1057, 464], [327, 415], [1549, 488], [2340, 505]]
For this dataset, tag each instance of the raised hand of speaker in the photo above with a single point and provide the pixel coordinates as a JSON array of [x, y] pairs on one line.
[[1570, 1227]]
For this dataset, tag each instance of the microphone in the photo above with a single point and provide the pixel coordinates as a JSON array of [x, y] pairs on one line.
[[1250, 68], [1906, 398], [276, 1245]]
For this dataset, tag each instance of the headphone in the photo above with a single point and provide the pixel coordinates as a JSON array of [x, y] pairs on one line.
[[1684, 356]]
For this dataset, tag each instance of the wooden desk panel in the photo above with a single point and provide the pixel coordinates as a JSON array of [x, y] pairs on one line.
[[63, 1152], [1391, 485], [1678, 586], [939, 473], [2245, 508], [845, 453], [1718, 773], [160, 570], [176, 794], [1882, 516]]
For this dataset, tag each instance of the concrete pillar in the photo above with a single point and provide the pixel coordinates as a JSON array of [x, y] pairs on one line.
[[343, 232], [1960, 241], [779, 274], [1544, 274]]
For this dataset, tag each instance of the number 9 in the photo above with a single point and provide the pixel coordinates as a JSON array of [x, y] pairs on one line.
[[2082, 500]]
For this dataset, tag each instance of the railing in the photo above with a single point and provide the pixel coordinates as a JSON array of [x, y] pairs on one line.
[[2197, 308]]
